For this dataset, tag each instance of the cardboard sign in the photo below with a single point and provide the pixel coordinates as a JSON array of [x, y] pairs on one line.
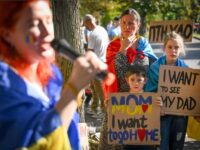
[[133, 119], [159, 29], [179, 90]]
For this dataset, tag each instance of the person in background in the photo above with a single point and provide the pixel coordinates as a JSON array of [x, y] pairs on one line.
[[130, 48], [34, 113], [109, 26], [86, 34], [173, 128], [98, 37], [97, 42], [126, 50], [115, 31]]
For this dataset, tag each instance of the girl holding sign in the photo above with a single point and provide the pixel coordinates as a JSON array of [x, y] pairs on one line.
[[173, 128]]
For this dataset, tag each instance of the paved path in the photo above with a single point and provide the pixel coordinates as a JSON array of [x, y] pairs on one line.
[[191, 144]]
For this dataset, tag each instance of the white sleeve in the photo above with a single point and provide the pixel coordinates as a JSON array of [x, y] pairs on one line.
[[91, 42]]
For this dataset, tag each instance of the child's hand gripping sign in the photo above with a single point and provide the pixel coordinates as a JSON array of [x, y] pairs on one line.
[[133, 119], [179, 90]]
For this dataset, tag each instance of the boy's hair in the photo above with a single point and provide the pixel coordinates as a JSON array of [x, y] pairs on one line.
[[136, 69], [175, 36]]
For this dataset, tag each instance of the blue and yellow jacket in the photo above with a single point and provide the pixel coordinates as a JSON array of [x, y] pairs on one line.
[[28, 119]]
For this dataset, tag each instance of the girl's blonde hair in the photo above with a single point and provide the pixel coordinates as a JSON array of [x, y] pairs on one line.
[[175, 36]]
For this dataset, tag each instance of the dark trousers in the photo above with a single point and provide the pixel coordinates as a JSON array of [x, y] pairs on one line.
[[173, 130]]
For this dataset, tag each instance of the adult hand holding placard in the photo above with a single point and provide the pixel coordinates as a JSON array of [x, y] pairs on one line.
[[179, 90]]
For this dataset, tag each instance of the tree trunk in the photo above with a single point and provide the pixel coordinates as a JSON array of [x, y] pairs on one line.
[[143, 26], [67, 25]]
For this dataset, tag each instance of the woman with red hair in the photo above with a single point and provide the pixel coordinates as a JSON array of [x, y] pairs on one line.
[[33, 113]]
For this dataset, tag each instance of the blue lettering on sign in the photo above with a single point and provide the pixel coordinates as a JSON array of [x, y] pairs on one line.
[[149, 135], [139, 100]]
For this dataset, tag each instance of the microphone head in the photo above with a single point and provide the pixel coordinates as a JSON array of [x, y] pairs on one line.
[[57, 44], [65, 50]]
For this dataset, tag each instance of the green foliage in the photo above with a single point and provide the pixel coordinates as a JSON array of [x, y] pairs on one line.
[[103, 10], [148, 9]]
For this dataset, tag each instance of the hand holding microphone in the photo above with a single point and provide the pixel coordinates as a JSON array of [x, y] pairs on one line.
[[66, 51]]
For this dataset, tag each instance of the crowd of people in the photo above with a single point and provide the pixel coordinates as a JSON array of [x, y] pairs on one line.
[[37, 111]]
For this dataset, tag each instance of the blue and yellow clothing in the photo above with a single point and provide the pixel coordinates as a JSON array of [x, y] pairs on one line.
[[143, 48], [153, 73], [28, 119]]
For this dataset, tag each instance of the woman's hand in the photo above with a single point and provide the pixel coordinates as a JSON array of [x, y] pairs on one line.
[[85, 70], [127, 42]]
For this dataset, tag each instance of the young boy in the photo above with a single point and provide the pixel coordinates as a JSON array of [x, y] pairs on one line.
[[136, 78]]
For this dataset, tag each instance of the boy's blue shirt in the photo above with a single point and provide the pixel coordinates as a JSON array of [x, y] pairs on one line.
[[25, 115], [153, 73]]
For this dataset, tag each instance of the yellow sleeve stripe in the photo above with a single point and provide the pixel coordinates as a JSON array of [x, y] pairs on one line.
[[57, 140]]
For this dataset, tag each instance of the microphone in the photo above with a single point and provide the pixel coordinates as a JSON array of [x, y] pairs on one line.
[[66, 51]]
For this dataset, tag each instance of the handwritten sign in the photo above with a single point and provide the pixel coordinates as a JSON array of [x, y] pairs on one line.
[[179, 89], [133, 119], [159, 29]]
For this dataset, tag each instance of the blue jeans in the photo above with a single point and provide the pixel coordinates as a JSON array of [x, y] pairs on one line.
[[173, 130]]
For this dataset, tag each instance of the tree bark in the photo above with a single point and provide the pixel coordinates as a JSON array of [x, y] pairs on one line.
[[143, 26], [67, 25]]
